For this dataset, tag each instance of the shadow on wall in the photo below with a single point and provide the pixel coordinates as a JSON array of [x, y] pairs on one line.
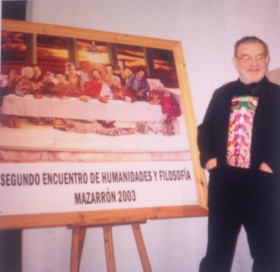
[[274, 76]]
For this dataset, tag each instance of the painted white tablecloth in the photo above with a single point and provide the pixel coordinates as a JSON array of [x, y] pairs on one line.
[[73, 108]]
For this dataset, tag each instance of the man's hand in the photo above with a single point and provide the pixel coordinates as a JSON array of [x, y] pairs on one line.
[[265, 168], [212, 163]]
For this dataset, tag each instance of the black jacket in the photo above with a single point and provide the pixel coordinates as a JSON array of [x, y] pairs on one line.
[[213, 132]]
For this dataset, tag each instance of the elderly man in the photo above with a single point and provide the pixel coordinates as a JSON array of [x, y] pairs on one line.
[[239, 142]]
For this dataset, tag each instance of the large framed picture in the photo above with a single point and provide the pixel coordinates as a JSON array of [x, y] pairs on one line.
[[96, 127]]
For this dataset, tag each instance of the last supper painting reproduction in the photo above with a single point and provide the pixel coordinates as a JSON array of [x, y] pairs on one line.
[[93, 113], [72, 95]]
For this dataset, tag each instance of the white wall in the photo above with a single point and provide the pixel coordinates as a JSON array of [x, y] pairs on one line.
[[207, 30]]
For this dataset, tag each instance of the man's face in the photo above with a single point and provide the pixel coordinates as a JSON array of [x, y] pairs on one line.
[[109, 69], [71, 71], [96, 75], [29, 73], [140, 73], [37, 70], [13, 74], [115, 81], [251, 62], [60, 78]]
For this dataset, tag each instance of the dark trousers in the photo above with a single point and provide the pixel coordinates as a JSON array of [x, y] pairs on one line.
[[243, 197], [10, 250]]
